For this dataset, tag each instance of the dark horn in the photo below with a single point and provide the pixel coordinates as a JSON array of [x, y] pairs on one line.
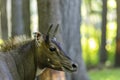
[[56, 29], [48, 32], [49, 29]]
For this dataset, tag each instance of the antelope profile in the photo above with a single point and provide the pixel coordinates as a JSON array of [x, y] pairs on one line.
[[22, 58]]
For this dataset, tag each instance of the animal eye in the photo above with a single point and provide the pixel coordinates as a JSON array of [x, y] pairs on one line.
[[52, 49]]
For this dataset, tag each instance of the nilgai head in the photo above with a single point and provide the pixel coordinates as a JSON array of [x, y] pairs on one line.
[[50, 53]]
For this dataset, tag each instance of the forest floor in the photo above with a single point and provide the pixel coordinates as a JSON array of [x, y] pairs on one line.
[[105, 74]]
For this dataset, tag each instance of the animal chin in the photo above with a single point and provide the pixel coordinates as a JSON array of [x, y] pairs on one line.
[[68, 69]]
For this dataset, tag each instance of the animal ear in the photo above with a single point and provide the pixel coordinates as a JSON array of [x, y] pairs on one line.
[[37, 35]]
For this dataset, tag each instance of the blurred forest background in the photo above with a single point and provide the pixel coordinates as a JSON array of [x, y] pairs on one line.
[[89, 31]]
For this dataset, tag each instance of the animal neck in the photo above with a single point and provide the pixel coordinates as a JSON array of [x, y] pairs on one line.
[[40, 59], [26, 60], [39, 71]]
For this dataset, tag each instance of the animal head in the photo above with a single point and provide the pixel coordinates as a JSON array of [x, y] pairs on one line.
[[50, 53]]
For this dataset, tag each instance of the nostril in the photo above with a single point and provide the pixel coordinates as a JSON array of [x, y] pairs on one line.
[[74, 66]]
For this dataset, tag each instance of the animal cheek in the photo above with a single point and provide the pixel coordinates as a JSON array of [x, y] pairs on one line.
[[53, 66], [48, 60]]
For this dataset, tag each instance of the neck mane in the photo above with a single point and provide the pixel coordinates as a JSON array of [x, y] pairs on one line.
[[14, 43]]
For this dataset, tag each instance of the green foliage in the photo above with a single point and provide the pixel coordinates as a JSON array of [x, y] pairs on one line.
[[90, 44], [91, 41], [111, 41], [105, 74], [91, 31], [1, 41]]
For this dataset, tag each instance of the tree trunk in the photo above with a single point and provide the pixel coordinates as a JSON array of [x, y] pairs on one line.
[[21, 17], [103, 53], [48, 12], [0, 21], [17, 18], [117, 55], [4, 22], [26, 17], [67, 14], [71, 19]]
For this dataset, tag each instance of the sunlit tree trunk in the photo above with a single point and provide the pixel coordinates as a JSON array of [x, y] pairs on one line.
[[117, 55], [67, 14], [103, 53], [4, 22]]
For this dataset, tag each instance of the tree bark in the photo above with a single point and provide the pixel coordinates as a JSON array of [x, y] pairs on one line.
[[17, 18], [67, 14], [117, 55], [21, 17], [26, 16], [0, 21], [103, 53], [4, 22], [71, 19], [48, 12]]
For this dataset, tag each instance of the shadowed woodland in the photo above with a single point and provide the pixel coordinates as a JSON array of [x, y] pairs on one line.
[[89, 32]]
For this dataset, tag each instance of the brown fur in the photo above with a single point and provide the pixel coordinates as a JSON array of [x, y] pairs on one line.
[[13, 43]]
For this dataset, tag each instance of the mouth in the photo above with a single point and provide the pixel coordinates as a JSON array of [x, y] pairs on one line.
[[69, 69]]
